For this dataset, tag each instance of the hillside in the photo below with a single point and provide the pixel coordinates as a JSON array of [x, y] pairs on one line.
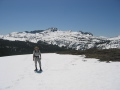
[[25, 47], [106, 55], [75, 40]]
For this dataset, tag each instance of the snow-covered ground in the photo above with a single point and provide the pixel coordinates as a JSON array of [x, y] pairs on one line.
[[60, 72]]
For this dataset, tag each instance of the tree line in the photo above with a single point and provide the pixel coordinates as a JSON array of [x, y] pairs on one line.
[[25, 47]]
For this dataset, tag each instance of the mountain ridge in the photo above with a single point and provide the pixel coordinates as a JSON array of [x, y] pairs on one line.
[[78, 40]]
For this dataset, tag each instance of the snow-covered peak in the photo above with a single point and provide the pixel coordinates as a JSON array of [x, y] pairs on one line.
[[87, 33], [52, 29], [71, 39], [115, 38]]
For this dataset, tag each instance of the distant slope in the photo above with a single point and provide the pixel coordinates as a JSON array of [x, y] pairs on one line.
[[75, 40], [20, 47]]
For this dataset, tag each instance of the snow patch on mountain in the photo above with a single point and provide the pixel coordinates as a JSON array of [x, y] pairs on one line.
[[76, 40]]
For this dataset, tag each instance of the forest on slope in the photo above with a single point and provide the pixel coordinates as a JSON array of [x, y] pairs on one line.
[[20, 47]]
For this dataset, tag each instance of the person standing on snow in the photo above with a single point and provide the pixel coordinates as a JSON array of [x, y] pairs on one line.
[[37, 58]]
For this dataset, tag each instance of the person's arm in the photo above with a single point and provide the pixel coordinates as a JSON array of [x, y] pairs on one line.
[[33, 55], [40, 54]]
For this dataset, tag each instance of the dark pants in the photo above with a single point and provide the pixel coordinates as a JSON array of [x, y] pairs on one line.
[[37, 59]]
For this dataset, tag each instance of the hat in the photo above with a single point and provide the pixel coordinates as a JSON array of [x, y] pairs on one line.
[[36, 47]]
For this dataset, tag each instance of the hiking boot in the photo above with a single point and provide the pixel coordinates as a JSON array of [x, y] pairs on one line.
[[40, 70], [35, 69]]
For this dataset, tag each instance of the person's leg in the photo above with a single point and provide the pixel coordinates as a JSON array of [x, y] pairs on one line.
[[39, 61], [35, 64]]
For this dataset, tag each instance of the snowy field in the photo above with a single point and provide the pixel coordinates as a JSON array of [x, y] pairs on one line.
[[60, 72]]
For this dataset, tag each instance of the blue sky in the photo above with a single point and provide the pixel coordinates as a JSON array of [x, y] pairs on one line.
[[100, 17]]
